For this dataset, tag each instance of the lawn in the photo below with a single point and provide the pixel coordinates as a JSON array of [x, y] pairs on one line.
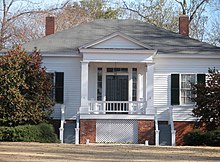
[[18, 152]]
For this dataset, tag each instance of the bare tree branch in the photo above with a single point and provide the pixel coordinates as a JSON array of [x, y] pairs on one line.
[[38, 11], [197, 7], [181, 4], [130, 9]]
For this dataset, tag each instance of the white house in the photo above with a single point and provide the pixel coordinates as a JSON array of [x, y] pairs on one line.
[[124, 81]]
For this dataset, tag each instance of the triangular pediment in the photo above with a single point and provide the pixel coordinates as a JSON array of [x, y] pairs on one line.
[[116, 41]]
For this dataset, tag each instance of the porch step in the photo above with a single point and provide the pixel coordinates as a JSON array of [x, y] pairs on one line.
[[165, 133]]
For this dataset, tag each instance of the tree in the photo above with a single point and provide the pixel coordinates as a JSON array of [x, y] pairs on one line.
[[18, 20], [207, 100], [25, 88], [159, 13], [84, 11], [165, 14]]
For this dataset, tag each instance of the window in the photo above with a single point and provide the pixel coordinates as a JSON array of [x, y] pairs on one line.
[[134, 84], [119, 70], [181, 86], [99, 84], [186, 86], [57, 93]]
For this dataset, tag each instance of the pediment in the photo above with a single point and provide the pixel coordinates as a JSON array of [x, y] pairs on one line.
[[116, 41]]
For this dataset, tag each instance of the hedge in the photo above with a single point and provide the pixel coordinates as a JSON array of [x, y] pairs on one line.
[[29, 133], [198, 138]]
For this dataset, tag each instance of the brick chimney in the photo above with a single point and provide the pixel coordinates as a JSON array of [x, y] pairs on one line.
[[184, 25], [50, 25]]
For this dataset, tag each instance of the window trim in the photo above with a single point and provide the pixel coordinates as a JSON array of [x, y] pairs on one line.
[[180, 77], [54, 86], [180, 88]]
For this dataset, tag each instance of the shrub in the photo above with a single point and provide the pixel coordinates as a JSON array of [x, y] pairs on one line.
[[47, 133], [212, 138], [198, 138], [29, 133], [194, 138]]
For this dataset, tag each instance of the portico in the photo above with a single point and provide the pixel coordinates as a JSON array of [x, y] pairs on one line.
[[119, 80]]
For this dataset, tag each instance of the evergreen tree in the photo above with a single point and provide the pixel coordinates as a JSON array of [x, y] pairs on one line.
[[25, 88], [207, 100]]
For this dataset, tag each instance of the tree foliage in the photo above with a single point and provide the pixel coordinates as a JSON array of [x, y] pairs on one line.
[[165, 14], [18, 21], [208, 101], [84, 11], [24, 90]]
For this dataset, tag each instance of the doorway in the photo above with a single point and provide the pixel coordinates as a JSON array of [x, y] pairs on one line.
[[117, 90]]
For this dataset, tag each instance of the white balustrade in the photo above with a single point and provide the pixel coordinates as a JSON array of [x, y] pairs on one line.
[[131, 107]]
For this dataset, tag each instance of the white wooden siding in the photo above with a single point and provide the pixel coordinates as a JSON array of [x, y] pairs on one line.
[[163, 70], [71, 68]]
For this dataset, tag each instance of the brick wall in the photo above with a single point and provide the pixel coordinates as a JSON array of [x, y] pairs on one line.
[[146, 131], [50, 25], [182, 128], [184, 25], [87, 131]]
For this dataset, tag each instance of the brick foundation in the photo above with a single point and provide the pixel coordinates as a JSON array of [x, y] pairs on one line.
[[87, 131], [182, 128], [146, 131]]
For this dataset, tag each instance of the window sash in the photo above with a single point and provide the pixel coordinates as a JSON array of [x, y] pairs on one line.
[[186, 81]]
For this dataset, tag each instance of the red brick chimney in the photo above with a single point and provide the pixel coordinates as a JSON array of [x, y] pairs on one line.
[[184, 25], [50, 25]]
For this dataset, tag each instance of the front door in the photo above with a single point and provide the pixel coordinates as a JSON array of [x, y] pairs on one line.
[[117, 90]]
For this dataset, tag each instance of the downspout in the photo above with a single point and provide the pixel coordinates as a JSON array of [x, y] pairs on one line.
[[77, 129], [62, 123]]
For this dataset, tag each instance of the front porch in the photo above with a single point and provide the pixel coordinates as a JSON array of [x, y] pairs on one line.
[[116, 88], [117, 80]]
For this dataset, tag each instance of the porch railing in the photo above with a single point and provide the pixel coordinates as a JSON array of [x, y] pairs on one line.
[[130, 107]]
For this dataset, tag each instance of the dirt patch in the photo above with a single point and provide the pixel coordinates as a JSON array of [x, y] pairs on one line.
[[19, 152]]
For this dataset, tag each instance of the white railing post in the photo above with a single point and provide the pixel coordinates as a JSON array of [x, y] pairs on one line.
[[77, 130], [171, 122], [157, 131], [173, 132], [62, 123]]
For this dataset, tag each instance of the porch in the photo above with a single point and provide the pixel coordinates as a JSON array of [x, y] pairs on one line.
[[116, 88]]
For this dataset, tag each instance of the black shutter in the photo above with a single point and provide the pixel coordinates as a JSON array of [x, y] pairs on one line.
[[59, 86], [200, 78], [175, 89]]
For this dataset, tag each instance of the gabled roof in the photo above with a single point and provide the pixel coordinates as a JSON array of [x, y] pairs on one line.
[[114, 38], [164, 41]]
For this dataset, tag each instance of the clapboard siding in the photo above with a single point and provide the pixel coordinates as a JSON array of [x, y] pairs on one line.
[[71, 68], [161, 89], [164, 67]]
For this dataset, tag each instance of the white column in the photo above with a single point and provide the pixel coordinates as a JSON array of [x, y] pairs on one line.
[[150, 85], [62, 123], [130, 82], [173, 132], [104, 89], [84, 87], [157, 137], [140, 86], [77, 129]]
